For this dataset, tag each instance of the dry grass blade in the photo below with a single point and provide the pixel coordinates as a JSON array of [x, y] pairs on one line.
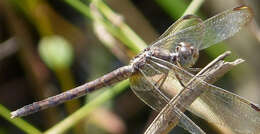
[[166, 119]]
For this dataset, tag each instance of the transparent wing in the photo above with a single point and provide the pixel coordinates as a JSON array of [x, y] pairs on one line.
[[187, 29], [182, 23], [145, 85], [224, 109], [225, 25], [187, 123], [207, 33], [228, 109]]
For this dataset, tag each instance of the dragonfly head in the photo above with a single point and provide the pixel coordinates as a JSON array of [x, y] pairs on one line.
[[187, 54]]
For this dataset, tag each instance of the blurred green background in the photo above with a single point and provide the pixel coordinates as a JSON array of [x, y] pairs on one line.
[[49, 46]]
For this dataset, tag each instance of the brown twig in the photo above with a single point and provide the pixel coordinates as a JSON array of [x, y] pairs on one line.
[[166, 119]]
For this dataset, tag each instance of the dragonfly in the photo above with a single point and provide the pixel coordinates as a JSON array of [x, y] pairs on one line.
[[151, 73]]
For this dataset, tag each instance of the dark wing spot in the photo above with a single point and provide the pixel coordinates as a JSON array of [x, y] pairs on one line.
[[256, 107], [240, 7]]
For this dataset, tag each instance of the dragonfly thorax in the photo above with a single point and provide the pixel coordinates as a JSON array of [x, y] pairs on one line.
[[187, 55]]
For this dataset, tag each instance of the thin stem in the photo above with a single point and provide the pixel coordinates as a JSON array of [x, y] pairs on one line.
[[193, 7], [174, 9], [85, 10], [130, 39], [118, 21]]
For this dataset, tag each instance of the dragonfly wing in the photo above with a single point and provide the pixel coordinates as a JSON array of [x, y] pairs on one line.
[[186, 123], [225, 25], [204, 34], [143, 85], [182, 23], [230, 110], [218, 106], [151, 87], [190, 30]]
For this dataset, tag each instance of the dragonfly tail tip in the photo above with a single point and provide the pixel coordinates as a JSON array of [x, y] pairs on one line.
[[13, 114]]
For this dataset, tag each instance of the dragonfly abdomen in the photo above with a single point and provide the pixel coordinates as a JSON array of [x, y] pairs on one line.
[[106, 80]]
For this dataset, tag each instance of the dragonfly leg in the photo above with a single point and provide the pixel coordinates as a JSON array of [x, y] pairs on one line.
[[177, 76], [162, 69], [165, 73], [165, 98], [161, 81], [179, 79], [166, 68], [164, 77]]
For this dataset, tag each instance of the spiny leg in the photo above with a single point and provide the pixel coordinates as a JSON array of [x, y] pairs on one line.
[[164, 69], [177, 76], [158, 65], [166, 72], [166, 99], [159, 62], [179, 80], [164, 77]]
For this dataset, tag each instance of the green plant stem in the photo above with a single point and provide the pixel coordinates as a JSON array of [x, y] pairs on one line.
[[127, 36], [174, 8], [118, 21], [80, 7], [23, 125], [193, 7], [88, 108]]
